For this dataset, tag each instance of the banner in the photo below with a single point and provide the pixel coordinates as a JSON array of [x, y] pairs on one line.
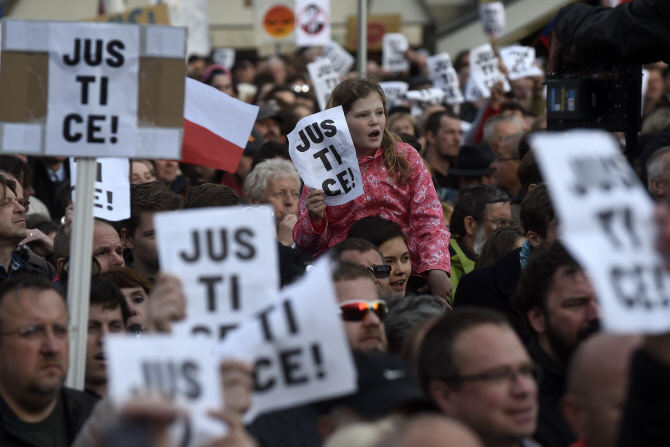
[[607, 223], [324, 78], [182, 369], [297, 345], [312, 22], [227, 260], [485, 70], [324, 154], [112, 188], [394, 46]]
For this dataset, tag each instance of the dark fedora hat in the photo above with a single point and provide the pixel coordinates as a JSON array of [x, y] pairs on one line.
[[473, 161]]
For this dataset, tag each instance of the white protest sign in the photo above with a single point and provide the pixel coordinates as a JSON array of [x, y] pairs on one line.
[[394, 91], [224, 57], [492, 16], [312, 22], [444, 76], [112, 188], [227, 260], [394, 46], [93, 89], [324, 78], [471, 92], [324, 154], [607, 223], [427, 96], [297, 345], [520, 62], [484, 69], [181, 368], [341, 59]]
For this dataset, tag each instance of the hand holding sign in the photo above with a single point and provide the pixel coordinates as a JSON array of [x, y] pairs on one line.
[[607, 221], [485, 69], [323, 152]]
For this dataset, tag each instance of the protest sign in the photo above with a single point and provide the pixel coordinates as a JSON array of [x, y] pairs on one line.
[[297, 345], [226, 258], [520, 62], [444, 76], [181, 369], [607, 223], [102, 89], [193, 15], [394, 91], [492, 15], [420, 99], [276, 20], [394, 46], [324, 78], [224, 57], [312, 22], [324, 154], [147, 14], [340, 58], [472, 93], [484, 70], [112, 188]]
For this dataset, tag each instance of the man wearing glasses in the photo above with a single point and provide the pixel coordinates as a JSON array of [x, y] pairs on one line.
[[35, 408], [478, 212], [364, 253], [474, 367]]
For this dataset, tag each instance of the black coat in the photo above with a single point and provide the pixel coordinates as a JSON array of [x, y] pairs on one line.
[[492, 287]]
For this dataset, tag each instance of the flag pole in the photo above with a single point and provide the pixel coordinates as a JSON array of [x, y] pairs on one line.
[[362, 54]]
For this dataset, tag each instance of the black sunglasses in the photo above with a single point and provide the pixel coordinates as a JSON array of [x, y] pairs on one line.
[[380, 271]]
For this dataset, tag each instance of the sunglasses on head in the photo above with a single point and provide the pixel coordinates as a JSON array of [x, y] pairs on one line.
[[380, 271], [356, 310]]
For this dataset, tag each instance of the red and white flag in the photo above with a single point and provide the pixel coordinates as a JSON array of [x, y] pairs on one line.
[[216, 127]]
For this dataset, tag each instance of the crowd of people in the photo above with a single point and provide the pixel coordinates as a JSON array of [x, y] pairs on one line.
[[469, 322]]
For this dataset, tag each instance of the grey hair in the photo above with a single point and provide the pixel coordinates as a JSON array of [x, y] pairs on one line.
[[655, 166], [257, 180], [493, 121], [405, 313]]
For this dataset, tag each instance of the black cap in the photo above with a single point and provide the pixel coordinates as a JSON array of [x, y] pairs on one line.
[[269, 110], [385, 385], [473, 161]]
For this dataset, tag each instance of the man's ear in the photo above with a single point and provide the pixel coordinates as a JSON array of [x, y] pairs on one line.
[[59, 265], [537, 320], [656, 187], [470, 225], [533, 239], [430, 138], [443, 396], [126, 240]]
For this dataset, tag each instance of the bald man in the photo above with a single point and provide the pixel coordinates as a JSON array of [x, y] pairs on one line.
[[596, 389], [430, 430]]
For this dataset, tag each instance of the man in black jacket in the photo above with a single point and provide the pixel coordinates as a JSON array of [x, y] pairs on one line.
[[35, 408]]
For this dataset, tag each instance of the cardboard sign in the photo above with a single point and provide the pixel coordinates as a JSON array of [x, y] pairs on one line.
[[324, 78], [324, 154], [394, 91], [224, 57], [378, 26], [492, 16], [520, 62], [227, 260], [297, 345], [102, 89], [393, 52], [179, 368], [607, 224], [340, 58], [312, 22], [444, 76], [147, 14], [112, 188], [484, 69]]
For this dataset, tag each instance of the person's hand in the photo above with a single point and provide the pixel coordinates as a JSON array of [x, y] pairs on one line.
[[238, 383], [315, 205], [438, 285], [167, 303], [555, 54], [497, 93], [285, 229], [237, 435], [38, 242]]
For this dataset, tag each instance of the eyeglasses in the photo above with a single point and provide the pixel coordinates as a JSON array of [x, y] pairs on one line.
[[501, 375], [40, 331], [502, 222], [380, 271], [357, 310]]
